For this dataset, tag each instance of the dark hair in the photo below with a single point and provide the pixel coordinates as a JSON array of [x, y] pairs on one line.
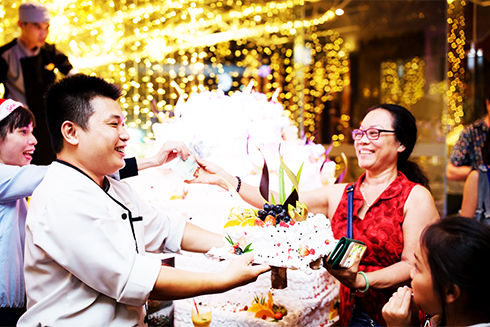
[[458, 253], [70, 99], [20, 117], [406, 133]]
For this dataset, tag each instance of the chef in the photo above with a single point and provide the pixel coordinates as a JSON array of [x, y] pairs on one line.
[[87, 234]]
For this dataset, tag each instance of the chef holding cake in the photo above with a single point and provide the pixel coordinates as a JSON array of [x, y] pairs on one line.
[[391, 207], [87, 233]]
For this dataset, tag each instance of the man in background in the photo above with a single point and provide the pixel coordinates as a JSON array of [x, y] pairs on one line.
[[27, 68], [467, 152], [465, 156]]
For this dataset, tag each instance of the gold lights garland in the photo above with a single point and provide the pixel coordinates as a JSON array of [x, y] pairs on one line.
[[456, 41], [162, 51], [403, 82]]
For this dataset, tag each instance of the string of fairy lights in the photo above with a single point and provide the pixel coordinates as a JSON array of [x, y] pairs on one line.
[[160, 51], [403, 82], [163, 51], [456, 40]]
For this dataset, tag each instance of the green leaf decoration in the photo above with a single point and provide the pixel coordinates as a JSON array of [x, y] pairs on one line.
[[228, 238], [298, 175], [282, 192], [247, 248], [273, 200], [290, 174]]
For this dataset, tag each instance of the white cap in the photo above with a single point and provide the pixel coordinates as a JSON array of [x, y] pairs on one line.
[[33, 12], [7, 106]]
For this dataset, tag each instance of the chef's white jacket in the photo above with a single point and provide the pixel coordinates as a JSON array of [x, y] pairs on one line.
[[81, 264]]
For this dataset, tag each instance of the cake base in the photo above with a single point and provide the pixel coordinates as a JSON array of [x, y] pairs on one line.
[[309, 298]]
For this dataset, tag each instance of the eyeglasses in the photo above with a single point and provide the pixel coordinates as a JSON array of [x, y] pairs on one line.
[[371, 133]]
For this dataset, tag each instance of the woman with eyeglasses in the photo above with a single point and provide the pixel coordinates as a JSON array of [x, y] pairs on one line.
[[391, 207]]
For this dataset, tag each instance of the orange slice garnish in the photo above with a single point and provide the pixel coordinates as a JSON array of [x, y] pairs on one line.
[[232, 223], [264, 312], [249, 222]]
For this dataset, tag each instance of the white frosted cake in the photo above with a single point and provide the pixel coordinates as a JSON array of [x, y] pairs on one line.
[[290, 245]]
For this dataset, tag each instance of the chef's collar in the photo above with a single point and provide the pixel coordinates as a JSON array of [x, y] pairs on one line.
[[105, 183]]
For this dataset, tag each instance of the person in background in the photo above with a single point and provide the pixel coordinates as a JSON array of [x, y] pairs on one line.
[[449, 279], [18, 179], [476, 193], [391, 209], [17, 144], [87, 233], [467, 152], [27, 68]]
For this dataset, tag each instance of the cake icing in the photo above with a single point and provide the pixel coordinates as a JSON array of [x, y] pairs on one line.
[[289, 245]]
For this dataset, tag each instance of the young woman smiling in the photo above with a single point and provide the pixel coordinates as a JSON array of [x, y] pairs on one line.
[[449, 278]]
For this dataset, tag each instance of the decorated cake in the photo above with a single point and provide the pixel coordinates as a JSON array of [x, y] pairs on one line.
[[295, 244], [282, 234]]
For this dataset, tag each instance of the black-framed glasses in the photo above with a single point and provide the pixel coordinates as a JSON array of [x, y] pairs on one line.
[[371, 133]]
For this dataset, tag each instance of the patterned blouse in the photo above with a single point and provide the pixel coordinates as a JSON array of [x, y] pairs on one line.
[[381, 230], [468, 150]]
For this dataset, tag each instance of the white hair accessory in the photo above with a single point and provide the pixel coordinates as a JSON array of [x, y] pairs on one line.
[[7, 106]]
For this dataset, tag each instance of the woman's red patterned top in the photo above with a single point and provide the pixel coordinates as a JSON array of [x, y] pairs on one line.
[[381, 230]]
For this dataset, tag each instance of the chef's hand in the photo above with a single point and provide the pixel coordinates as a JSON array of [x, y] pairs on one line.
[[241, 271], [168, 152]]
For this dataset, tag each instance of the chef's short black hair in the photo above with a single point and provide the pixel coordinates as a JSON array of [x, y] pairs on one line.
[[71, 100]]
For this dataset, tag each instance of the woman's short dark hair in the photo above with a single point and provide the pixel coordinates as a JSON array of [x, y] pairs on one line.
[[405, 127], [20, 117], [458, 253], [70, 100]]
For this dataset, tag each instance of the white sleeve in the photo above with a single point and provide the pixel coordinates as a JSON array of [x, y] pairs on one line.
[[19, 182]]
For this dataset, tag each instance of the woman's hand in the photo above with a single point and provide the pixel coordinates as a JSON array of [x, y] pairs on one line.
[[349, 277], [209, 173], [401, 310]]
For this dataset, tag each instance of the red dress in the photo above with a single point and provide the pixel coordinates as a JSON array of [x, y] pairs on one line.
[[381, 230]]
